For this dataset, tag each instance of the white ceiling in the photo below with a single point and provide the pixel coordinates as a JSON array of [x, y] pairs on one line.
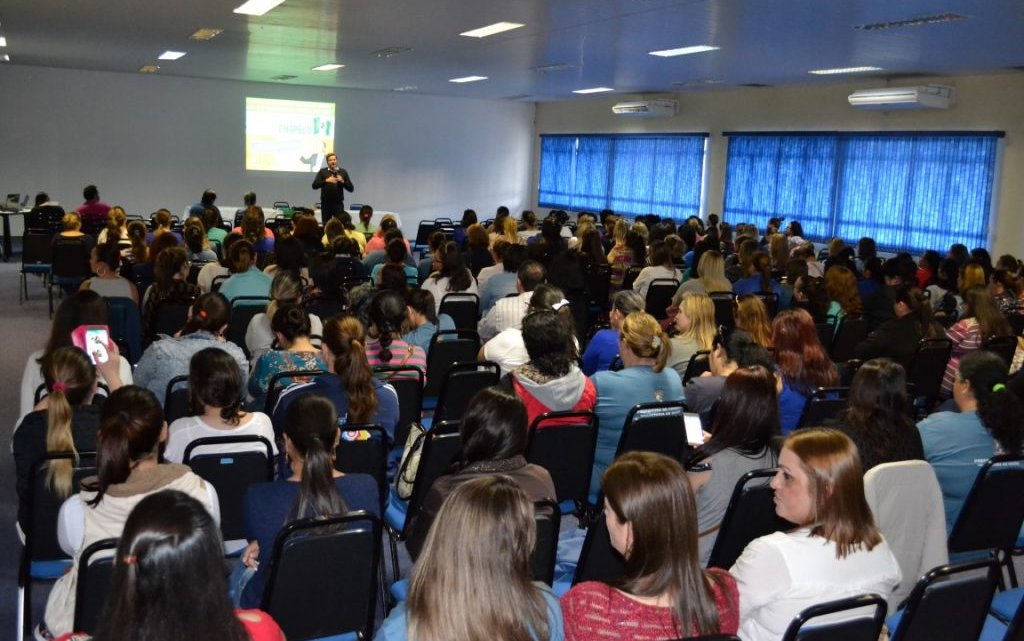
[[593, 42]]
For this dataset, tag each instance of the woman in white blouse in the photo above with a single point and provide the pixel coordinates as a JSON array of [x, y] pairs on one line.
[[835, 552]]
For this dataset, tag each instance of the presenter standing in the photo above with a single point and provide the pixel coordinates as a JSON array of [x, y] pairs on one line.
[[330, 181]]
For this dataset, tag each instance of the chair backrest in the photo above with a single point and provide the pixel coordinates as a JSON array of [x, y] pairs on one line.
[[929, 365], [70, 258], [366, 456], [659, 297], [750, 515], [823, 403], [855, 628], [826, 333], [281, 380], [423, 232], [563, 443], [95, 576], [1003, 346], [231, 474], [725, 308], [446, 348], [1015, 629], [43, 505], [463, 307], [441, 448], [36, 248], [993, 511], [125, 326], [950, 603], [243, 309], [547, 519], [168, 318], [177, 402], [852, 332], [698, 365], [771, 302], [598, 559], [323, 576], [655, 427], [461, 383], [408, 384], [599, 284]]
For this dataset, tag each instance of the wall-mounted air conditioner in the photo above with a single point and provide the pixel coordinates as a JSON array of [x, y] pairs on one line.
[[646, 108], [922, 97]]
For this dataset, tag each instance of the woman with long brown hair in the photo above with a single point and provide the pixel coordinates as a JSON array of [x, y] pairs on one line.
[[802, 361], [841, 286], [752, 317], [664, 592], [981, 322]]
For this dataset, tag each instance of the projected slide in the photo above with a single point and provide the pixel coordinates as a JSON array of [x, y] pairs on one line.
[[287, 135]]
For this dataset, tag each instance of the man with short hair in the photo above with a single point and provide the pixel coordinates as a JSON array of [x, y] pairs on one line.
[[93, 210], [331, 180], [500, 285], [45, 213], [205, 202], [508, 312]]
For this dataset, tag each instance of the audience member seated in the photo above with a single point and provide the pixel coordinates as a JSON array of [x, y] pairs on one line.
[[246, 278], [758, 278], [695, 324], [377, 242], [170, 356], [752, 317], [71, 228], [331, 268], [170, 285], [477, 255], [710, 277], [435, 241], [504, 279], [623, 255], [132, 428], [550, 381], [421, 320], [66, 420], [364, 226], [254, 229], [290, 256], [504, 228], [285, 289], [348, 230], [507, 349], [451, 276], [836, 550], [508, 312], [876, 416], [162, 220], [802, 361], [397, 254], [386, 346], [116, 229], [44, 211], [493, 430], [810, 295], [306, 231], [372, 259], [296, 352], [898, 338], [215, 390], [549, 243], [987, 421], [844, 299], [746, 421], [664, 592], [210, 271], [478, 553], [81, 308], [93, 210], [212, 222], [468, 218], [660, 266], [981, 322], [314, 489], [529, 225], [197, 243], [604, 344], [104, 261], [644, 349]]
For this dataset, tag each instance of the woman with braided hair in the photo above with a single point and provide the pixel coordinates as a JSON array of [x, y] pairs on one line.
[[387, 314]]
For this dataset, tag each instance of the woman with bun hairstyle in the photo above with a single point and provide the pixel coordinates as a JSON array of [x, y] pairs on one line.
[[285, 289], [197, 244], [386, 346], [313, 489], [664, 592], [479, 586], [246, 278], [170, 356], [644, 349], [128, 469], [170, 540], [802, 361], [170, 285], [291, 325], [987, 422]]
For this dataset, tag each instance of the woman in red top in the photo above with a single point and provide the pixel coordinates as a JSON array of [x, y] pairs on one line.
[[663, 593]]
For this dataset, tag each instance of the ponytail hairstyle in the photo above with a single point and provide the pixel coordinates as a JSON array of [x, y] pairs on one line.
[[131, 425], [195, 235], [387, 313], [284, 289], [215, 380], [162, 218], [137, 237], [311, 424], [209, 313], [241, 256], [116, 218], [345, 338], [644, 336], [253, 224], [291, 321], [71, 221], [70, 378], [168, 265], [999, 408], [761, 263], [422, 301], [109, 253], [919, 306]]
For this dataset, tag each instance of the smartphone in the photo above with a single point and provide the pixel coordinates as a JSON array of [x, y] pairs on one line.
[[93, 340], [694, 430]]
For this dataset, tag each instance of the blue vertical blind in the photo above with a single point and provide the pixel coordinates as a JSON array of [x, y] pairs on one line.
[[910, 192], [630, 174]]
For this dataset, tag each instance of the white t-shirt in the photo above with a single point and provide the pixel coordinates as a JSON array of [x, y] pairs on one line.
[[783, 573], [439, 288], [507, 350], [185, 430]]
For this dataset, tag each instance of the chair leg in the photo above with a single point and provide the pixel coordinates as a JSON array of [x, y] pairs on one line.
[[23, 288]]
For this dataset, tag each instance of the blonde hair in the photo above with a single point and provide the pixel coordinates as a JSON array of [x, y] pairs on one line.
[[510, 230], [285, 288], [478, 587], [711, 271], [620, 231], [971, 275], [641, 229], [644, 336], [752, 317], [700, 309], [69, 377], [71, 221]]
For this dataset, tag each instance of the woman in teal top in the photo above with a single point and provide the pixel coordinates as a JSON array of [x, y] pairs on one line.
[[644, 349], [296, 353], [957, 443]]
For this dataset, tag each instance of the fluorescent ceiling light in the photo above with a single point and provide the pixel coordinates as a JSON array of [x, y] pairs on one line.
[[257, 7], [832, 72], [5, 58], [206, 33], [331, 66], [490, 30], [594, 90], [468, 79], [683, 51], [3, 41], [171, 55]]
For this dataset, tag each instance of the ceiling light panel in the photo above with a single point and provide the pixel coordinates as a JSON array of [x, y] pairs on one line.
[[683, 51], [491, 29], [832, 72], [257, 7], [468, 79], [171, 55], [594, 90], [331, 66], [3, 41]]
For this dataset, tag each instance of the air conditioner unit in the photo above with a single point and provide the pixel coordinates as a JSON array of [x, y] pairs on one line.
[[922, 97], [646, 108]]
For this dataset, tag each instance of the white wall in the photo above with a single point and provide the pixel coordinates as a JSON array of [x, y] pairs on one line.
[[988, 103], [149, 142]]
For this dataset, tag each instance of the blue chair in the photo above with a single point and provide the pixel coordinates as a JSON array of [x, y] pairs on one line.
[[855, 628], [949, 603], [36, 256]]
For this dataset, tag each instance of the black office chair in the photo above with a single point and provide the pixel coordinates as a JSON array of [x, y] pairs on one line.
[[659, 297], [36, 258], [949, 603], [408, 385], [463, 307], [725, 308], [243, 309], [852, 332], [824, 403], [655, 427], [95, 576], [69, 266], [859, 628], [177, 399], [750, 515], [697, 365], [1003, 346], [461, 383], [547, 519], [364, 455], [563, 443], [448, 347]]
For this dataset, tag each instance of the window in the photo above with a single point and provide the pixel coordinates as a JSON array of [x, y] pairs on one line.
[[908, 191], [630, 174]]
